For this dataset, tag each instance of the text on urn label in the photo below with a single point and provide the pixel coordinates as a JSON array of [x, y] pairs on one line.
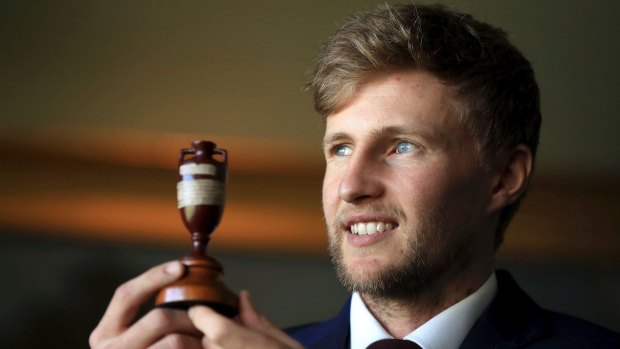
[[200, 192]]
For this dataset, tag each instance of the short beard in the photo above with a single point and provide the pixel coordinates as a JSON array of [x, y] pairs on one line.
[[430, 252]]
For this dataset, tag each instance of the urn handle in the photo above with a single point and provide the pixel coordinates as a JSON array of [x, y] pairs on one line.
[[203, 152]]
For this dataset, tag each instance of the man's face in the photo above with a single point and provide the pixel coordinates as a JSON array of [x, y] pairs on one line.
[[404, 196]]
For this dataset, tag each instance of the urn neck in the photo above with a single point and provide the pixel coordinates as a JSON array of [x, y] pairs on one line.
[[199, 244]]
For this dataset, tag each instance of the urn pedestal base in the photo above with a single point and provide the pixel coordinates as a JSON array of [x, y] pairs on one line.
[[201, 284]]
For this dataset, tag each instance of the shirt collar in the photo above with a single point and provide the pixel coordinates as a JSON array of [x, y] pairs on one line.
[[456, 321]]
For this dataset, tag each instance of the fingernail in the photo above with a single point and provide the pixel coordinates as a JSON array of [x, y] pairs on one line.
[[172, 268]]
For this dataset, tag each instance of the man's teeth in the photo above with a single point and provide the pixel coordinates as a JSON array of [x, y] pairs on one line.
[[370, 228]]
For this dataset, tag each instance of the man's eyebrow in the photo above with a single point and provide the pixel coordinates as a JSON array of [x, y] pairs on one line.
[[390, 130], [383, 131], [334, 137], [402, 130]]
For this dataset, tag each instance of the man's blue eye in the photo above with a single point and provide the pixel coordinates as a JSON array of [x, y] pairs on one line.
[[342, 150], [404, 147]]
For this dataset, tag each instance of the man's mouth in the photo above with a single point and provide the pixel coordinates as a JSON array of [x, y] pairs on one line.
[[370, 228]]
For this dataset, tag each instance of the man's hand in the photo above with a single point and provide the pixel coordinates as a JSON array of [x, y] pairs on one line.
[[160, 328], [250, 331]]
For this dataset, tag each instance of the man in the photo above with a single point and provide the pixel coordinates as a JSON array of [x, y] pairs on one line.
[[432, 123]]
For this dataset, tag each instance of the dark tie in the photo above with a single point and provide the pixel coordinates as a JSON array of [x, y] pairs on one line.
[[393, 344]]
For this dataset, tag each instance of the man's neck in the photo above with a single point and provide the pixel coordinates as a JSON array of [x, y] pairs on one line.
[[402, 316]]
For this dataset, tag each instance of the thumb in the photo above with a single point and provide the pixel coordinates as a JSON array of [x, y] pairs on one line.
[[251, 318]]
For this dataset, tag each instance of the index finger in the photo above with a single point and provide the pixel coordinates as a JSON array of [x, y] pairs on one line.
[[129, 296], [222, 332]]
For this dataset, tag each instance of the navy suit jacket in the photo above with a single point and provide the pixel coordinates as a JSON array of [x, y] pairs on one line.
[[512, 320]]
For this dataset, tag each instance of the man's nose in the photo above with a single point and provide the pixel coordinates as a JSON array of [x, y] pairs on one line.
[[362, 180]]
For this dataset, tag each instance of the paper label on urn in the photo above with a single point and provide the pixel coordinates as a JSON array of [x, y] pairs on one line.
[[200, 192], [197, 169]]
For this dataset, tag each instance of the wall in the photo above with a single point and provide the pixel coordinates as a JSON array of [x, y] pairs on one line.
[[98, 97]]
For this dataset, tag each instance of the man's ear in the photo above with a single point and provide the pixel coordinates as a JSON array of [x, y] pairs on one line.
[[511, 179]]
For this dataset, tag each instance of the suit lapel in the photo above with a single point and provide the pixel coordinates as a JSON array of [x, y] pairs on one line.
[[511, 320]]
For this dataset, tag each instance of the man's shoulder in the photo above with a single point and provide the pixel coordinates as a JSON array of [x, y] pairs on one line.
[[513, 320], [305, 329], [571, 332]]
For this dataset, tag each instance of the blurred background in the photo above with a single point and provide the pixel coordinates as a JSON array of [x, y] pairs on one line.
[[97, 98]]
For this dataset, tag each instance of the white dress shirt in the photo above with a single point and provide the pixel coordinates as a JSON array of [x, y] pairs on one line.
[[444, 331]]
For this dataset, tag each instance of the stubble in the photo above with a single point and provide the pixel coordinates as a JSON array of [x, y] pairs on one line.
[[431, 248]]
